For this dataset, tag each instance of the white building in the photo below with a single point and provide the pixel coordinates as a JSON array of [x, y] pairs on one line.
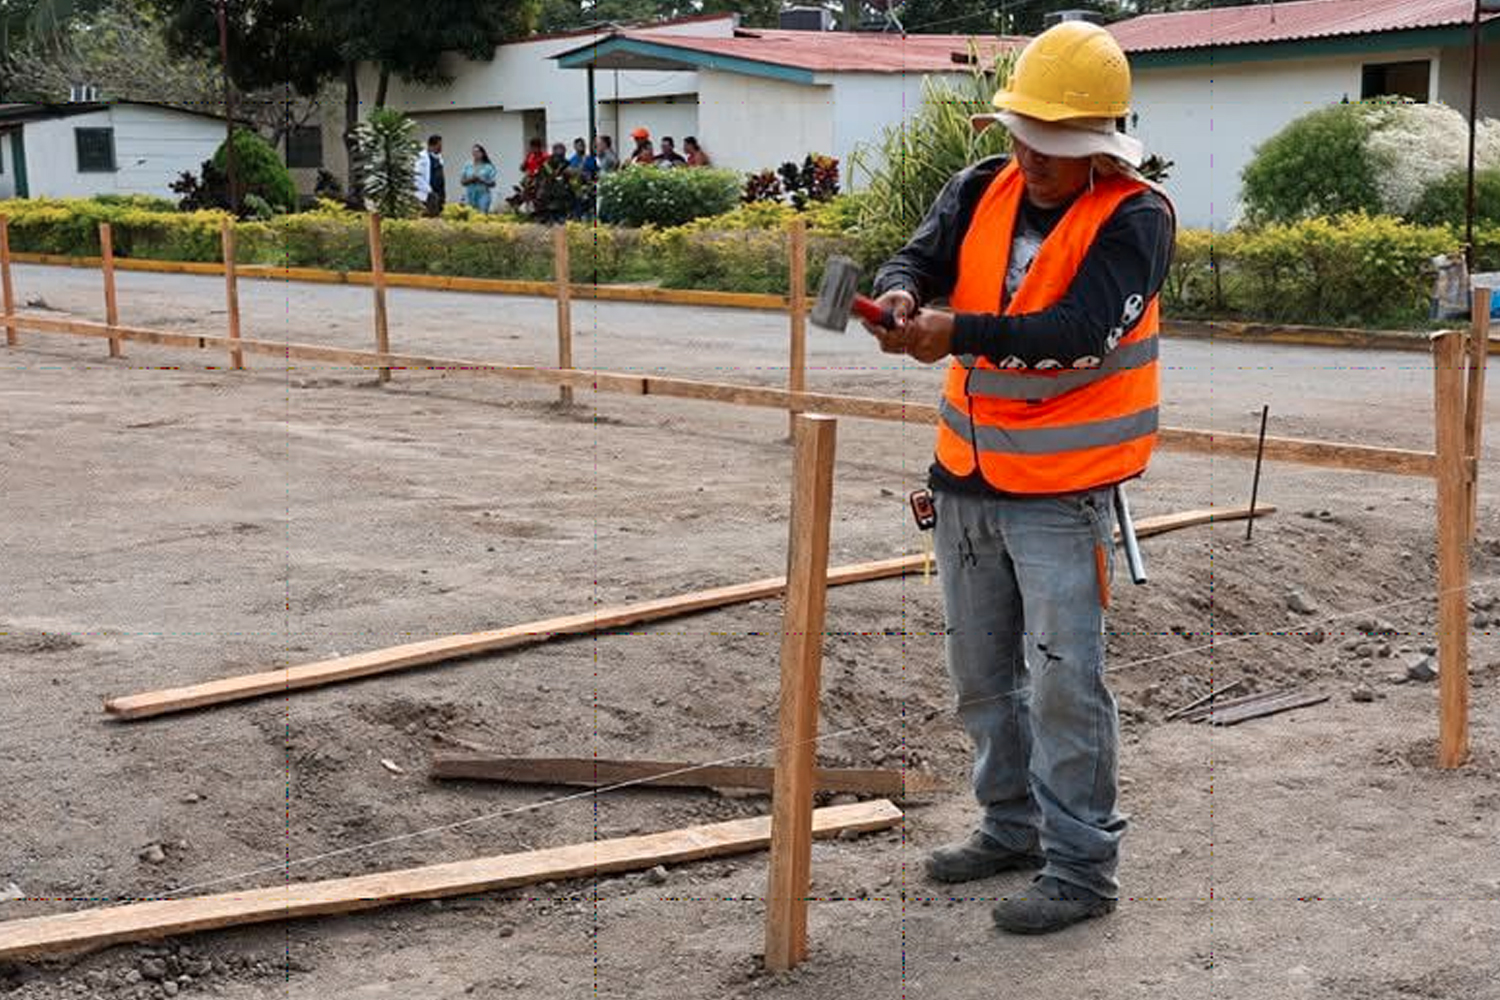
[[754, 98], [85, 149], [1212, 85]]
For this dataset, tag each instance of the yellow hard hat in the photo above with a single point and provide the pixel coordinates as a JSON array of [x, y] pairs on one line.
[[1072, 70]]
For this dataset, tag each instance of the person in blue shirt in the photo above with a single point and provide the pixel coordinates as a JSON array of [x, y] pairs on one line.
[[478, 179]]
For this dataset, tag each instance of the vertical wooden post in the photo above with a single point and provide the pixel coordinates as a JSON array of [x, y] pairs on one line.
[[562, 272], [1448, 351], [813, 438], [1479, 353], [796, 376], [111, 306], [232, 295], [377, 282], [11, 337]]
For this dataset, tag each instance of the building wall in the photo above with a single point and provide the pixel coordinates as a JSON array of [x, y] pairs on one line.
[[747, 123], [677, 116], [7, 168], [152, 147], [1453, 79], [865, 104], [335, 158], [524, 77], [1210, 119]]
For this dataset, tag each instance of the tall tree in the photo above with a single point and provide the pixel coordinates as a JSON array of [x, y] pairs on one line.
[[29, 25], [303, 43], [570, 15], [121, 50]]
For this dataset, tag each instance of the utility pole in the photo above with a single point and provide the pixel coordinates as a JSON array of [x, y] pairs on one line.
[[229, 164]]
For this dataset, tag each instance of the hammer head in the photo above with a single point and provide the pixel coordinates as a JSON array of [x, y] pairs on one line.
[[836, 294]]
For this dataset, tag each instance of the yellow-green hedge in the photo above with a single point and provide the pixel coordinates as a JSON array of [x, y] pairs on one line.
[[1350, 270]]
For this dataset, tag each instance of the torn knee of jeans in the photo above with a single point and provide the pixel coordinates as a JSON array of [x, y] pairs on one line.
[[1048, 656]]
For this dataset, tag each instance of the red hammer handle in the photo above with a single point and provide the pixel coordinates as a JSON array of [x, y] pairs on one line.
[[866, 309]]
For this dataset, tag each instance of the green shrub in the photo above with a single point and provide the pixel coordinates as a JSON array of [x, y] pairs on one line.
[[144, 202], [1487, 248], [1317, 165], [648, 196], [258, 170], [1348, 270], [1446, 201], [1344, 271]]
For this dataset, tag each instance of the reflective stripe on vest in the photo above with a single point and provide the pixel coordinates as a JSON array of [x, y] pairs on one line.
[[1008, 384], [1049, 440]]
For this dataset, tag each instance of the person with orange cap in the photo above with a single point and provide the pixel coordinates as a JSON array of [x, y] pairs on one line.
[[644, 155], [1051, 261]]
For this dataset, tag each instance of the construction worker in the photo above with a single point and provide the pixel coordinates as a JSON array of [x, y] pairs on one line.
[[1051, 261]]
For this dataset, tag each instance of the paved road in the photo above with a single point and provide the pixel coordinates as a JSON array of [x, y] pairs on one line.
[[1377, 397]]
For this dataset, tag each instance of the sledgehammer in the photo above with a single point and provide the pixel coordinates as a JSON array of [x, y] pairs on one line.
[[838, 298]]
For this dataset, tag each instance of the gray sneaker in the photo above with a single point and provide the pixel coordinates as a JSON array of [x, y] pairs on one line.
[[978, 857], [1049, 905]]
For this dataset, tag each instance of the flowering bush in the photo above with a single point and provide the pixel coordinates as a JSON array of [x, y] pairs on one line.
[[650, 196], [1378, 158]]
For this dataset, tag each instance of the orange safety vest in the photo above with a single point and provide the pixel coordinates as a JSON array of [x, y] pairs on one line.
[[1047, 429]]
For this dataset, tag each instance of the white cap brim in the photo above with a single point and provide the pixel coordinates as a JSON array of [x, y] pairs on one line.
[[1079, 138]]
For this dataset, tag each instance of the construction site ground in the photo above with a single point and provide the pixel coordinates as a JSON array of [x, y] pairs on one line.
[[165, 523]]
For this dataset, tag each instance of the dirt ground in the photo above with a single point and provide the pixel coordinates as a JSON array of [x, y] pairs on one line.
[[165, 523]]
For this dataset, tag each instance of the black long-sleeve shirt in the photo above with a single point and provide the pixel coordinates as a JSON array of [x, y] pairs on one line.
[[1124, 268]]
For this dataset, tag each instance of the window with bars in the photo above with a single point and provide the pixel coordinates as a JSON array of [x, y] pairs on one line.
[[96, 150]]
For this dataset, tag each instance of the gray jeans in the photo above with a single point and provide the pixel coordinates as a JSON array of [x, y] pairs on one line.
[[1026, 653]]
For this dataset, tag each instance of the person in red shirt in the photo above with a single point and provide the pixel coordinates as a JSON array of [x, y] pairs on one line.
[[536, 155]]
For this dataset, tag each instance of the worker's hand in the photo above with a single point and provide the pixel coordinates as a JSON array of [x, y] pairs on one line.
[[929, 335], [902, 305]]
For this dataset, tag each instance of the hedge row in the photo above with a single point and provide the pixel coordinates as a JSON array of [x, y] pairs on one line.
[[1351, 270]]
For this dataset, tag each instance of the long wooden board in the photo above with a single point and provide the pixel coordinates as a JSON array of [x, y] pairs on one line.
[[1324, 454], [456, 647], [417, 654], [96, 928], [588, 772]]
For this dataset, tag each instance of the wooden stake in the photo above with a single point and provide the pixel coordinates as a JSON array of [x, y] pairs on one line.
[[561, 272], [232, 297], [796, 375], [801, 665], [111, 305], [11, 336], [1479, 342], [1453, 558], [377, 283]]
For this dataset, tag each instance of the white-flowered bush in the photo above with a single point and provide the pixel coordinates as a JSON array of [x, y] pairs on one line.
[[1376, 157]]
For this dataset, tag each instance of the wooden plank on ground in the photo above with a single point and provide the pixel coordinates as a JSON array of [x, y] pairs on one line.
[[1262, 708], [418, 654], [88, 929], [589, 772]]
